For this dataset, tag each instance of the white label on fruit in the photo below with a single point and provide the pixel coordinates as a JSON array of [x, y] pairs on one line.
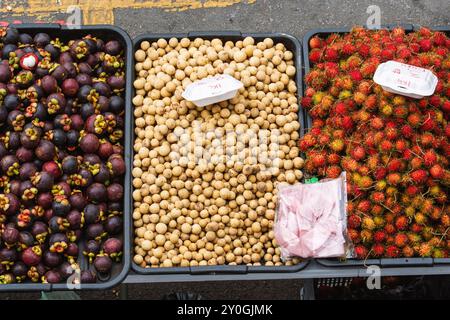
[[405, 79], [212, 90]]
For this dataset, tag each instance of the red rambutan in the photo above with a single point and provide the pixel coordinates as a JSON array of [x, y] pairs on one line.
[[355, 75], [380, 173], [377, 197], [401, 223], [333, 172], [361, 252], [337, 145], [378, 250], [436, 171], [363, 206], [348, 49], [379, 236], [331, 54], [392, 251], [315, 42], [315, 55], [425, 45], [393, 178], [358, 153], [401, 240], [386, 146], [408, 252], [419, 176]]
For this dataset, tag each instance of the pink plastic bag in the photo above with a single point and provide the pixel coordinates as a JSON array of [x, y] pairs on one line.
[[311, 219]]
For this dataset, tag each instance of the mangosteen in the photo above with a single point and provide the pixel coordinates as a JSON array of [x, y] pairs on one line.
[[19, 270], [116, 104], [32, 256], [102, 174], [59, 73], [16, 120], [87, 93], [87, 276], [9, 204], [79, 49], [39, 230], [113, 47], [62, 121], [53, 50], [66, 269], [86, 176], [84, 68], [77, 122], [10, 165], [5, 73], [37, 110], [60, 205], [83, 79], [102, 104], [89, 143], [27, 170], [41, 39], [97, 192], [3, 115], [77, 200], [43, 181], [92, 248], [95, 231], [28, 190], [115, 192], [58, 224], [114, 225], [10, 236], [13, 140], [116, 82], [113, 248], [70, 87], [70, 165], [35, 273], [9, 51], [24, 79], [8, 256], [3, 150], [71, 69], [11, 101], [45, 151], [65, 57], [87, 110], [24, 155], [7, 278], [103, 263], [52, 168], [26, 240], [92, 214], [72, 250], [96, 124], [52, 259], [49, 84], [45, 200], [72, 137], [56, 102], [102, 88], [52, 276], [115, 208], [30, 137], [75, 219], [11, 36], [58, 242]]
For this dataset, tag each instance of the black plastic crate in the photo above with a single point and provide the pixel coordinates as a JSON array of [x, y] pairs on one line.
[[291, 44], [120, 270], [383, 262]]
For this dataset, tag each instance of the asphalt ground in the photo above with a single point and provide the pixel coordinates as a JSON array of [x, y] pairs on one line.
[[295, 17]]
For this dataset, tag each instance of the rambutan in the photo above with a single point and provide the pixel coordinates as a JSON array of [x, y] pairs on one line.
[[354, 221], [378, 250], [337, 145], [427, 139], [379, 220], [315, 55], [377, 197], [425, 45], [386, 146], [315, 42], [380, 173], [414, 119], [356, 75], [425, 250], [377, 123], [429, 158], [368, 69], [419, 176], [408, 251], [347, 123], [393, 178], [386, 110], [401, 223], [368, 223], [401, 145], [340, 108], [401, 240], [348, 49], [392, 251], [331, 54], [371, 102], [361, 252], [358, 153], [391, 133], [364, 206], [389, 228], [379, 236], [436, 171], [333, 172], [412, 190], [359, 98], [416, 163], [407, 131], [366, 236], [394, 165], [354, 235], [380, 185], [403, 53], [363, 49]]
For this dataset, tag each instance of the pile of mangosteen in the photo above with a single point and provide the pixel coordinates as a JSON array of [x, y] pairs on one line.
[[61, 156]]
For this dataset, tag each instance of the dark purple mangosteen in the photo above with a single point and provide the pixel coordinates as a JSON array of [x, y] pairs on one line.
[[19, 270], [102, 88], [11, 36], [72, 250], [84, 79], [115, 192], [45, 200], [13, 140], [49, 84], [56, 102], [87, 110], [10, 165], [45, 151], [9, 204], [27, 170], [39, 230], [41, 39], [89, 143], [16, 120], [24, 155], [95, 231], [71, 69], [77, 200], [52, 259], [105, 150], [113, 47], [52, 168], [48, 213], [116, 104], [32, 256], [10, 235], [8, 51], [62, 121], [103, 263], [59, 73], [84, 68], [114, 225], [92, 248], [60, 205], [70, 165], [97, 192], [52, 276], [58, 242], [58, 137], [72, 137], [75, 219], [30, 137], [79, 49], [53, 50], [24, 79], [8, 256], [87, 276], [28, 190], [65, 57], [66, 269], [3, 150], [77, 122], [11, 101], [116, 164], [96, 124], [102, 175], [3, 115], [91, 159], [43, 181], [102, 104], [86, 93], [5, 73], [92, 214], [115, 208], [113, 248], [117, 83], [58, 224], [26, 240]]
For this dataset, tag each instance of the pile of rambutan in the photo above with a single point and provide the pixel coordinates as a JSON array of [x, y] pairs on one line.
[[394, 149]]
